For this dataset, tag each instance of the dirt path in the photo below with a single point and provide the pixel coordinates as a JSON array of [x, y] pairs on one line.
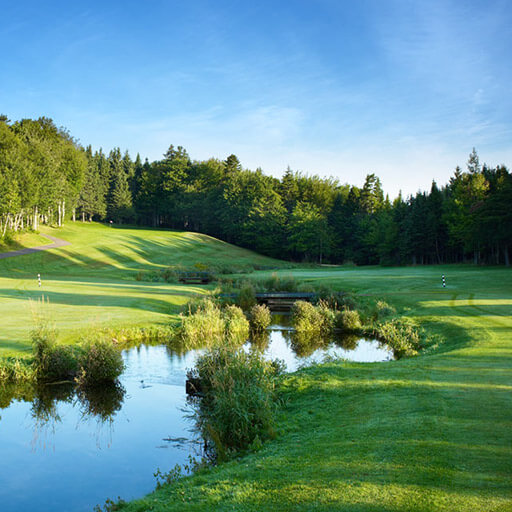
[[57, 242]]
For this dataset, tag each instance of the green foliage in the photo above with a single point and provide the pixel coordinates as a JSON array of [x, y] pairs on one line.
[[236, 328], [311, 320], [278, 283], [259, 318], [348, 320], [16, 370], [238, 403], [207, 324], [89, 364], [52, 362], [401, 335], [100, 362], [247, 296], [203, 327]]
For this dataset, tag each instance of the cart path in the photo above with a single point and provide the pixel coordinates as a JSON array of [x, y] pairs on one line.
[[57, 242]]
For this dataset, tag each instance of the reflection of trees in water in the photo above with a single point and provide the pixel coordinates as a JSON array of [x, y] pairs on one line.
[[101, 403], [347, 341], [260, 340], [23, 392], [303, 344], [45, 402]]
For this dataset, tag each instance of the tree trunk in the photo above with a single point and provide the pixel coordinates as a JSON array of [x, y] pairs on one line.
[[505, 253], [74, 214]]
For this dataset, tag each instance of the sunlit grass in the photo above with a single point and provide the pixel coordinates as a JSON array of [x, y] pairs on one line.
[[429, 433], [91, 283]]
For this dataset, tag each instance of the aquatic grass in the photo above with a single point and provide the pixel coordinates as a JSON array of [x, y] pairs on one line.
[[402, 335], [259, 318], [348, 320], [238, 402], [236, 328], [99, 363], [203, 326], [16, 370], [311, 320], [209, 324]]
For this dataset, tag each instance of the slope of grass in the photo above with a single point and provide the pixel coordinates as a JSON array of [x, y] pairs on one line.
[[23, 241], [91, 283], [431, 433]]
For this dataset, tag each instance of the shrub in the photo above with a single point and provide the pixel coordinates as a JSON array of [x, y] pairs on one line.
[[311, 320], [236, 327], [259, 318], [204, 326], [209, 325], [238, 402], [402, 336], [99, 362], [16, 370], [383, 309], [52, 362], [348, 320]]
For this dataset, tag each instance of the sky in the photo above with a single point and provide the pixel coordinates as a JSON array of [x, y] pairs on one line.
[[400, 88]]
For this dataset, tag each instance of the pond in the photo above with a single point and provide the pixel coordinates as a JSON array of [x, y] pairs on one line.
[[62, 452]]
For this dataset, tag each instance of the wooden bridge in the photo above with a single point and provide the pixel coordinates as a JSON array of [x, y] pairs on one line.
[[195, 277], [283, 301]]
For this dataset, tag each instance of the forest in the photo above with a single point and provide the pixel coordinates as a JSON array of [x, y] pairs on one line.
[[48, 177]]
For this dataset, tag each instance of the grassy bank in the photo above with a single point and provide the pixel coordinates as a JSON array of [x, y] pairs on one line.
[[22, 241], [430, 433], [92, 283]]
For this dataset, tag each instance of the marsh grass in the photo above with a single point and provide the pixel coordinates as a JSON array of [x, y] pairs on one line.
[[237, 407], [208, 324], [259, 318], [402, 335]]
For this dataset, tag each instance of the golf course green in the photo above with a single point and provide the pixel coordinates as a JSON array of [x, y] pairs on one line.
[[91, 283], [429, 433]]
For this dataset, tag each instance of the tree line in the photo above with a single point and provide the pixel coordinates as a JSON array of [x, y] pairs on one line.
[[46, 176]]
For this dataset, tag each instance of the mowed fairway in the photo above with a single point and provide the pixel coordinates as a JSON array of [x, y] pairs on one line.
[[91, 283], [431, 433]]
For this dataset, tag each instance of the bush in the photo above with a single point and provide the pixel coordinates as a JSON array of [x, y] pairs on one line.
[[236, 329], [203, 327], [209, 325], [310, 320], [402, 336], [348, 320], [99, 362], [383, 309], [15, 370], [52, 362], [238, 403], [259, 318]]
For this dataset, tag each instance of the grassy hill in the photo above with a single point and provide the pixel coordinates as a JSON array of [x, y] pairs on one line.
[[430, 433], [91, 282]]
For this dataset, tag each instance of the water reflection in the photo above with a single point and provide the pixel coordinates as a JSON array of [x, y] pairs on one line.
[[60, 446]]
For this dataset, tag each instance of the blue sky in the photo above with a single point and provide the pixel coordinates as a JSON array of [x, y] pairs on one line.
[[404, 89]]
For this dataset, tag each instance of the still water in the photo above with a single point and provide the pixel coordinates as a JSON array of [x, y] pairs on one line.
[[60, 452]]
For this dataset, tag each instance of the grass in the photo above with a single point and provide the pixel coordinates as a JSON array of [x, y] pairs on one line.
[[23, 241], [91, 283], [429, 433]]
